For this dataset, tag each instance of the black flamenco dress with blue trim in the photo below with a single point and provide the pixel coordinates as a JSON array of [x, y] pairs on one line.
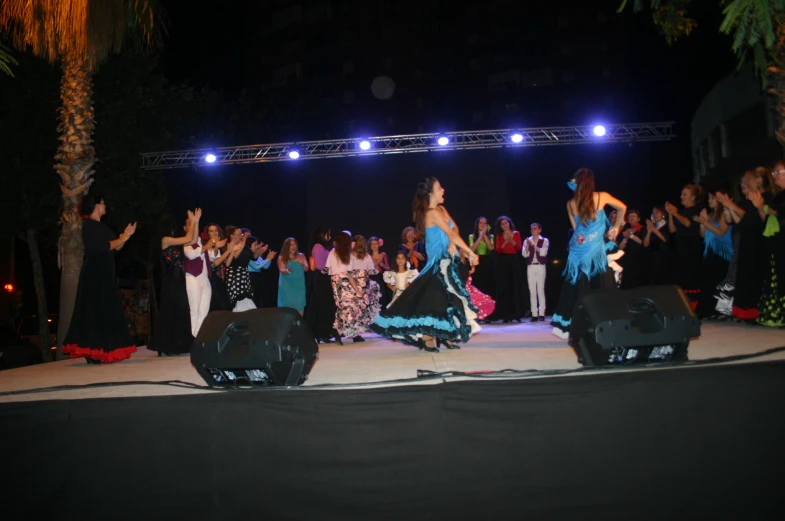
[[436, 304]]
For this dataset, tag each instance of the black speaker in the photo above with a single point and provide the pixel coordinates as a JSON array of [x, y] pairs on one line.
[[641, 325], [258, 348]]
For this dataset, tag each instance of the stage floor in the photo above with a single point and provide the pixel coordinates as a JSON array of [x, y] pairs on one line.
[[526, 346]]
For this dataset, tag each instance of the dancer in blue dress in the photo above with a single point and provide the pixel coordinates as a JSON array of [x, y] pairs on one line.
[[587, 262], [436, 308]]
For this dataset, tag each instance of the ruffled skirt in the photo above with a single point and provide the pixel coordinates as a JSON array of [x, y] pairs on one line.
[[436, 304]]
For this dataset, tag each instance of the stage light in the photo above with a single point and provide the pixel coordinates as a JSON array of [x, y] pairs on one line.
[[294, 154], [516, 138], [210, 158], [9, 288], [443, 140], [365, 145], [599, 131]]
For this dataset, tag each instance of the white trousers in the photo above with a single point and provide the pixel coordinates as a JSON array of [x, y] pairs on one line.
[[536, 275], [199, 295]]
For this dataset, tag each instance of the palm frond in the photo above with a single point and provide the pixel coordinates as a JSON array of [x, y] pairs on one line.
[[750, 22], [88, 30], [7, 60]]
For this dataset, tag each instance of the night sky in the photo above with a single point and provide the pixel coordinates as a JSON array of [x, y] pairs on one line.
[[211, 47]]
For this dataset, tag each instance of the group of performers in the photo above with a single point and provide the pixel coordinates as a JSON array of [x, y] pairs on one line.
[[432, 300]]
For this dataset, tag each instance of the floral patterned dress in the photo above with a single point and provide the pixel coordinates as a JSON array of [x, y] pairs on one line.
[[355, 311]]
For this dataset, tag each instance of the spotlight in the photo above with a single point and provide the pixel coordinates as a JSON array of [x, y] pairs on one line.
[[516, 138], [365, 145], [443, 140], [294, 154], [599, 131], [210, 158]]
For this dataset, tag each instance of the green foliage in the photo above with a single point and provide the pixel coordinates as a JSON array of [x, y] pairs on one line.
[[753, 26], [6, 60]]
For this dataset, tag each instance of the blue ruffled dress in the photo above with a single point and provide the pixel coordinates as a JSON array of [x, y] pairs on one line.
[[436, 304], [586, 270]]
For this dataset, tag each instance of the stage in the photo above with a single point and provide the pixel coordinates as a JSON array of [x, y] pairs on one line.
[[365, 439], [376, 362]]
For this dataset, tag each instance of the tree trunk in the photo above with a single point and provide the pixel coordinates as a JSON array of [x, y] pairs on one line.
[[44, 341], [74, 164]]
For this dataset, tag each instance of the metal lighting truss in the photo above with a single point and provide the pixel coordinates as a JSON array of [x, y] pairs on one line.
[[527, 137]]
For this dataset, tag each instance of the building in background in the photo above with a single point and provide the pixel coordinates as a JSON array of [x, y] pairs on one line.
[[733, 129]]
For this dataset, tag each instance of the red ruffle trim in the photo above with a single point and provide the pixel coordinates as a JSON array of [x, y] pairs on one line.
[[745, 314], [106, 357]]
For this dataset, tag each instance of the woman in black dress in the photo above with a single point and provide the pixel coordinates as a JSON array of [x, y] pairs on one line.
[[658, 243], [320, 309], [215, 242], [687, 241], [171, 334], [238, 279], [99, 330]]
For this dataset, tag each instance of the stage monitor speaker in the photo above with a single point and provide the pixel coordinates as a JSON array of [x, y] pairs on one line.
[[641, 325], [258, 348]]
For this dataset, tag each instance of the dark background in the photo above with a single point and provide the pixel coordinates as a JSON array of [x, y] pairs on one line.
[[303, 70]]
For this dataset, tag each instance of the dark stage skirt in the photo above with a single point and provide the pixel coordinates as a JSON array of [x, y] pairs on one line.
[[511, 292], [689, 258], [713, 271], [484, 276], [172, 328], [386, 294], [320, 309], [436, 304], [571, 293], [220, 300], [98, 329]]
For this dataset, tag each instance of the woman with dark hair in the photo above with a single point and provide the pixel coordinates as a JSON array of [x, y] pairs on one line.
[[587, 262], [658, 243], [510, 294], [413, 247], [213, 238], [320, 310], [482, 243], [353, 313], [687, 241], [292, 267], [381, 264], [99, 330], [172, 334], [436, 308], [633, 262], [238, 279], [717, 252]]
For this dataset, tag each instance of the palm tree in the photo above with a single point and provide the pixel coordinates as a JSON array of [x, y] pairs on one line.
[[78, 35], [6, 60], [757, 29]]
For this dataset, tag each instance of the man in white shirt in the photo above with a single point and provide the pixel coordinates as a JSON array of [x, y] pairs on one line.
[[535, 251], [197, 283]]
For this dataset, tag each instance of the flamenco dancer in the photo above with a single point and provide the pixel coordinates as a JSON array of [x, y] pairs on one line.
[[98, 330], [587, 262], [435, 309]]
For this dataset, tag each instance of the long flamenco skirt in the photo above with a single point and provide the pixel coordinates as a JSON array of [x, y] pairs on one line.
[[713, 271], [320, 310], [510, 294], [172, 328], [570, 293], [355, 312], [436, 304], [772, 300], [98, 329]]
